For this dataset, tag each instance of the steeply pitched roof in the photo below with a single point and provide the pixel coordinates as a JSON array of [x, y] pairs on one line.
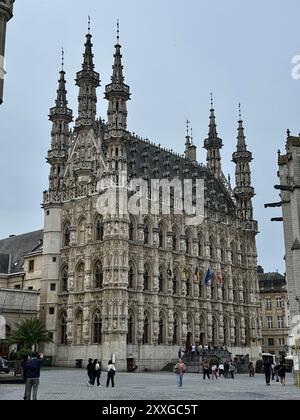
[[13, 249]]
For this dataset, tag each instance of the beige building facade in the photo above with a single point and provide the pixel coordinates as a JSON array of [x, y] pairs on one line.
[[275, 313]]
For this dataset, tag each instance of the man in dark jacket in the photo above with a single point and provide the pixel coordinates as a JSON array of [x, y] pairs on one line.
[[268, 372], [33, 373]]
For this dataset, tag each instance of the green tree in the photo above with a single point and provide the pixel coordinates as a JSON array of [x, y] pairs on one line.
[[29, 333]]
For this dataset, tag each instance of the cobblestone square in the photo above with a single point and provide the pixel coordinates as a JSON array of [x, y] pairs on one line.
[[63, 384]]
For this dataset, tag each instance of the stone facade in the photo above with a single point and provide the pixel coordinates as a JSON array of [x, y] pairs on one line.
[[133, 285], [289, 174], [275, 312], [6, 13]]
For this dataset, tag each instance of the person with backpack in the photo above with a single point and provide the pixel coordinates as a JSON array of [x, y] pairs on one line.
[[91, 373], [97, 371], [180, 371], [111, 371]]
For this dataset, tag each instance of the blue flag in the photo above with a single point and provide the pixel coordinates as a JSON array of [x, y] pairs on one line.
[[208, 277]]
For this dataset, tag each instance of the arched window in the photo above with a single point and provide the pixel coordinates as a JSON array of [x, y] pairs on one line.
[[130, 334], [131, 230], [188, 286], [146, 280], [99, 230], [223, 250], [236, 297], [80, 278], [98, 275], [175, 284], [97, 328], [161, 236], [67, 235], [200, 245], [224, 290], [82, 232], [79, 328], [176, 331], [146, 335], [175, 240], [146, 233], [237, 332], [212, 252], [245, 293], [63, 330], [65, 279], [188, 242], [161, 330], [226, 332], [233, 253], [131, 276], [161, 281]]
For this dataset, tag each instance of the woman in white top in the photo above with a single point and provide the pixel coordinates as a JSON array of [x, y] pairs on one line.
[[111, 371]]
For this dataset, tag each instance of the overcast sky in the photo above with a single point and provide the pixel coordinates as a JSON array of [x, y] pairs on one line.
[[175, 53]]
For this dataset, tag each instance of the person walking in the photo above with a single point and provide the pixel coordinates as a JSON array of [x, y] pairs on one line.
[[33, 373], [180, 371], [111, 371], [221, 370], [282, 373], [91, 373], [251, 370], [267, 367], [214, 372], [206, 371], [23, 364], [226, 369], [97, 371], [232, 369]]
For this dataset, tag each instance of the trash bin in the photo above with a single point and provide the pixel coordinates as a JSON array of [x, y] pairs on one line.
[[78, 363]]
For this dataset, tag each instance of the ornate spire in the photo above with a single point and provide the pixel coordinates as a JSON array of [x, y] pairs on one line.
[[241, 147], [244, 192], [61, 110], [117, 92], [213, 144], [88, 80], [188, 137], [61, 116]]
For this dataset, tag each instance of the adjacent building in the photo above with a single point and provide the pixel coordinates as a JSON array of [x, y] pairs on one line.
[[6, 13], [275, 312], [289, 175]]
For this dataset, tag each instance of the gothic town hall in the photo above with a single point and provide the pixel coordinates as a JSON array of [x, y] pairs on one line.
[[133, 286]]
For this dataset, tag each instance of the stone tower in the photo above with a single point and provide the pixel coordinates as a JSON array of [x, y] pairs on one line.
[[6, 13], [61, 117], [116, 226], [243, 192], [213, 144]]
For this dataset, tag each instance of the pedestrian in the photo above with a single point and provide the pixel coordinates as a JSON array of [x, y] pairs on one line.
[[251, 370], [282, 373], [33, 373], [273, 366], [206, 371], [232, 369], [91, 373], [221, 370], [23, 364], [214, 370], [267, 368], [226, 369], [193, 351], [180, 371], [97, 371], [111, 371], [276, 372]]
